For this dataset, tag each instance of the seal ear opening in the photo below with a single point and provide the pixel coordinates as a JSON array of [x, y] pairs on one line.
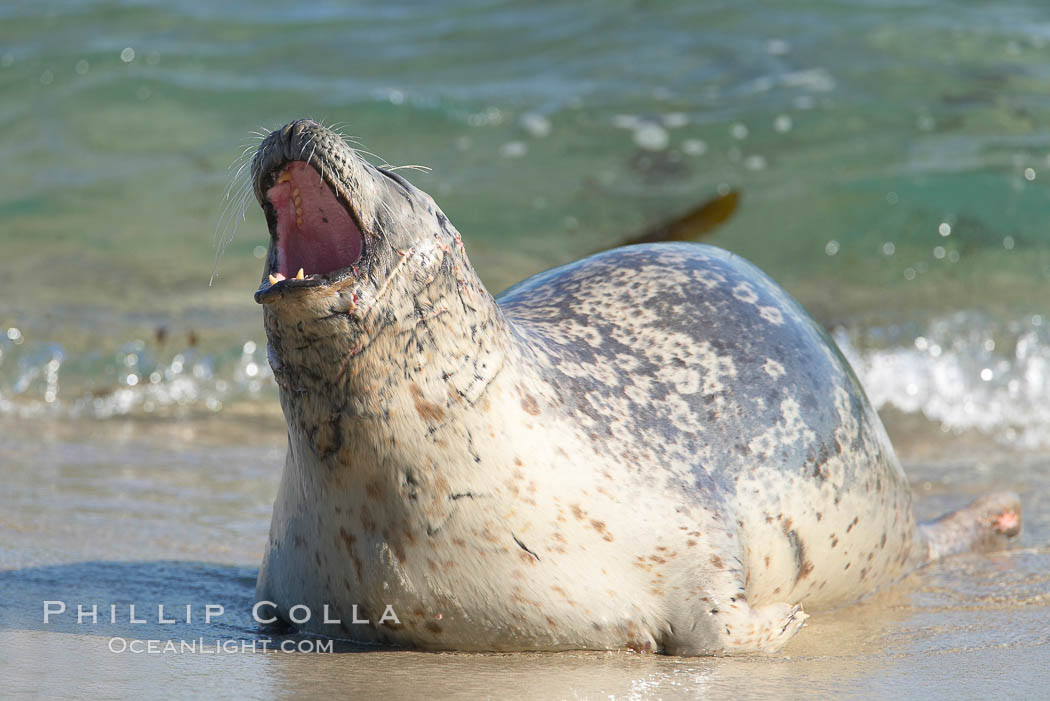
[[314, 230]]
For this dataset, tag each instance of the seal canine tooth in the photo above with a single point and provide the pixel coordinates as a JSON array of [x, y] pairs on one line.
[[299, 275], [274, 279], [654, 447]]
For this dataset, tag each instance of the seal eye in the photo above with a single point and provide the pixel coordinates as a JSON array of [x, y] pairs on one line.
[[315, 232]]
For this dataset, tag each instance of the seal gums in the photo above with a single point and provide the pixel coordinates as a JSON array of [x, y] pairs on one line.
[[314, 232]]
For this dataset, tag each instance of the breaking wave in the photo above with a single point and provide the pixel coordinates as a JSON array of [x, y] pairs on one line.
[[965, 371]]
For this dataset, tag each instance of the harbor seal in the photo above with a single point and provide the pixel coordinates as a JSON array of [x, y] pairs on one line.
[[651, 448]]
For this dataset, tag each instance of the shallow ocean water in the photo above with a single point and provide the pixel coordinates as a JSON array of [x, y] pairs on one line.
[[891, 158]]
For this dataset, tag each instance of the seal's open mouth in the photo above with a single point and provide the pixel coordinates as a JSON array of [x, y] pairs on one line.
[[316, 237]]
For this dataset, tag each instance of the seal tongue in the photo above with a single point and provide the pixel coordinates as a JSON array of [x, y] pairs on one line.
[[315, 231]]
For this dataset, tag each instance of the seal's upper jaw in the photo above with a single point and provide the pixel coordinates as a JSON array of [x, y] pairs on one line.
[[302, 179], [314, 231]]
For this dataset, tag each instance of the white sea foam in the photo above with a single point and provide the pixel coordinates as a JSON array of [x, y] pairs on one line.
[[964, 371]]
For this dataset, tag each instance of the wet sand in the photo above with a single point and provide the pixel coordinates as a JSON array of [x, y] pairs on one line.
[[177, 513]]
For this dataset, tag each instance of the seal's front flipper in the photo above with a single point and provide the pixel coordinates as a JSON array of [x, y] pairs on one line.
[[985, 525], [742, 630], [764, 629]]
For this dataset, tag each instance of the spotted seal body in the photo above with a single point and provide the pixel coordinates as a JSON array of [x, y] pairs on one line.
[[651, 448]]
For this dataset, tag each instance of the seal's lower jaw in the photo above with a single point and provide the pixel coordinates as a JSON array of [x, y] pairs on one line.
[[316, 240]]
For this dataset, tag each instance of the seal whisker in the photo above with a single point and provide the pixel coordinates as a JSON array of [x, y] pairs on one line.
[[229, 215], [422, 169]]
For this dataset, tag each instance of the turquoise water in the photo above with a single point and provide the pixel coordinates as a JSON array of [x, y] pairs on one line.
[[892, 158]]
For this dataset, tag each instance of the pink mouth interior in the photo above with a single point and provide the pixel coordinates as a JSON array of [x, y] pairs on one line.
[[315, 231]]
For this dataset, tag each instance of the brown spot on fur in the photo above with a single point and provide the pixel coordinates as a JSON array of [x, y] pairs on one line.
[[638, 646], [578, 512], [428, 411], [366, 521], [852, 524], [807, 567], [349, 539], [518, 462], [600, 527], [767, 561], [530, 405], [717, 562], [433, 627]]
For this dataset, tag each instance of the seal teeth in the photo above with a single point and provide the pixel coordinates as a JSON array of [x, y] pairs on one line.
[[299, 275], [297, 200], [275, 278]]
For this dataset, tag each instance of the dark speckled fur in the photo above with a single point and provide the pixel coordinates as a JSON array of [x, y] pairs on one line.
[[710, 315]]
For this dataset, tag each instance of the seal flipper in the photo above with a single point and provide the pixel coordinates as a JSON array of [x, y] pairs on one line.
[[987, 524], [764, 629], [745, 630]]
